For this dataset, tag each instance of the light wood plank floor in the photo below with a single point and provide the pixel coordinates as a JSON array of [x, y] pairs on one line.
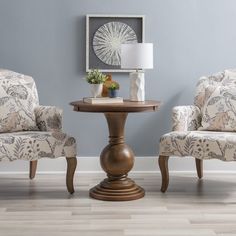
[[190, 207]]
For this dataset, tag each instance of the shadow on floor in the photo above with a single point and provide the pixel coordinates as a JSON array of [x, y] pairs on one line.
[[218, 187]]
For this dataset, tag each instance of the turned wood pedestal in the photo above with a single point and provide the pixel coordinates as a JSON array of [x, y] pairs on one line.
[[117, 158]]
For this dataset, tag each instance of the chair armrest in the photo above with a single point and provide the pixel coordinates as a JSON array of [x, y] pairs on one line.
[[48, 118], [186, 118]]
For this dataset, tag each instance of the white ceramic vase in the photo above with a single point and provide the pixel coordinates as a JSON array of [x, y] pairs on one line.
[[96, 90]]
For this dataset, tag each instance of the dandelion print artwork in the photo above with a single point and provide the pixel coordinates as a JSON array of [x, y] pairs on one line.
[[104, 36], [108, 39]]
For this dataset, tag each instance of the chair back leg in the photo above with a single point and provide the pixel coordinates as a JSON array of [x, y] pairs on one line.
[[199, 167], [33, 167], [71, 166], [163, 164]]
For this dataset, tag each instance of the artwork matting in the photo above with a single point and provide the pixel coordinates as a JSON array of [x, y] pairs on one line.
[[130, 25]]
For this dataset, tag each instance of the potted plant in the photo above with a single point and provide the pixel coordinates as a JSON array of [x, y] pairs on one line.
[[96, 79], [113, 89]]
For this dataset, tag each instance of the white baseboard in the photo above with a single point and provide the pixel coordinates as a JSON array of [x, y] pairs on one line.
[[147, 164]]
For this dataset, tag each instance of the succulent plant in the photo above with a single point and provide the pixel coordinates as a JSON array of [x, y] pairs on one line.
[[96, 77], [113, 85]]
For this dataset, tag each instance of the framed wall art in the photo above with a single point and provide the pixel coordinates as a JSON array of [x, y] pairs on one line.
[[105, 34]]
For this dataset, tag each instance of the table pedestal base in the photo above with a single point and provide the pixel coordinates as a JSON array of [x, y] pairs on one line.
[[117, 159], [117, 190]]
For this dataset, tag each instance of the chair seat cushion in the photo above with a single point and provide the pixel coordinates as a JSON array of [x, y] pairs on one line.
[[33, 145], [200, 144]]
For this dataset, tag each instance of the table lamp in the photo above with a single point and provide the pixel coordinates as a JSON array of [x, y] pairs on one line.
[[137, 56]]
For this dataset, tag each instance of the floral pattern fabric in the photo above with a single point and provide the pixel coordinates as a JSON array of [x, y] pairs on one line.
[[219, 111], [48, 118], [200, 144], [186, 118], [215, 113], [20, 110], [188, 139], [33, 145], [18, 98], [207, 84]]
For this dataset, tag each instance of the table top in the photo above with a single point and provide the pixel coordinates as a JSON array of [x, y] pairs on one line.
[[126, 106]]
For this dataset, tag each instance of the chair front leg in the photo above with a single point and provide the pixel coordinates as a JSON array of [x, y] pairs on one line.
[[199, 167], [71, 166], [33, 167], [163, 164]]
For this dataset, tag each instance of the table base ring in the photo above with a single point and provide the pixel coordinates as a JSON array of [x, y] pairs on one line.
[[117, 190]]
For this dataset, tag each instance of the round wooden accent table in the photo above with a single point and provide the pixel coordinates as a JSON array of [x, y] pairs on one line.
[[117, 158]]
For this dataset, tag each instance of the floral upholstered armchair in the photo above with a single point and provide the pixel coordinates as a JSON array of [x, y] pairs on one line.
[[205, 130], [29, 131]]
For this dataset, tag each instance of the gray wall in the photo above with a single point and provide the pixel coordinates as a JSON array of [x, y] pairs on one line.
[[46, 39]]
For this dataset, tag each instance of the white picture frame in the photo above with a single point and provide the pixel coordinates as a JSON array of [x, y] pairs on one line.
[[90, 55]]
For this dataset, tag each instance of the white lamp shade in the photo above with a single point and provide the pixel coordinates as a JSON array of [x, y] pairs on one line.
[[137, 56]]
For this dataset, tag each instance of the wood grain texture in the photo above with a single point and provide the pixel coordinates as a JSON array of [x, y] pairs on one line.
[[32, 169], [71, 167], [190, 207], [199, 167], [117, 159], [163, 164], [127, 106]]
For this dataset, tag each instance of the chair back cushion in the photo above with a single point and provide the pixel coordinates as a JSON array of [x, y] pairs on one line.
[[18, 98], [216, 98], [207, 84]]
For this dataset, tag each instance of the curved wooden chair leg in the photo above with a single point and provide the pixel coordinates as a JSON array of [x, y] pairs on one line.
[[199, 166], [33, 167], [163, 164], [71, 166]]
